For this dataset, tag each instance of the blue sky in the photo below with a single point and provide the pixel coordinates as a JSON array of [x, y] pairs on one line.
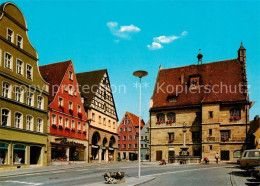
[[124, 36]]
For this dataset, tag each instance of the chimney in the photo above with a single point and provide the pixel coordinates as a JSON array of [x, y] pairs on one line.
[[256, 118], [242, 54], [160, 67], [199, 56]]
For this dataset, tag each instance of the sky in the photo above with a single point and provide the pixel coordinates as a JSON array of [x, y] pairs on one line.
[[125, 36]]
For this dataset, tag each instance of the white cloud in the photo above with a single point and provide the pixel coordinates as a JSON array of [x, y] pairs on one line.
[[158, 41], [130, 28], [155, 46], [124, 31], [165, 39]]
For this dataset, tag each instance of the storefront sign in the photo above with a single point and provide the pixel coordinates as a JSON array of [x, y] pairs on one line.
[[110, 148], [95, 146]]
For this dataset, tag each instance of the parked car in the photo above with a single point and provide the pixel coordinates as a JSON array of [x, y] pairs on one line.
[[256, 172], [250, 159]]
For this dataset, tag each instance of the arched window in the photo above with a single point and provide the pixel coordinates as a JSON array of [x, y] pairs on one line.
[[6, 90], [171, 117], [39, 127], [29, 122], [18, 120], [6, 117], [160, 118]]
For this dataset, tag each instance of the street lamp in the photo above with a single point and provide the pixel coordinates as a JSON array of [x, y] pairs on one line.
[[139, 74]]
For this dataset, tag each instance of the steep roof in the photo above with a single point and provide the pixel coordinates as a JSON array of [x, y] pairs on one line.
[[91, 80], [228, 72], [53, 74], [135, 119]]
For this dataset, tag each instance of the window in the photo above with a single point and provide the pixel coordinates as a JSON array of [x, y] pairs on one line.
[[8, 61], [119, 146], [6, 90], [19, 67], [135, 145], [114, 125], [125, 129], [142, 145], [18, 123], [124, 146], [126, 116], [84, 127], [18, 94], [70, 105], [136, 137], [29, 122], [225, 135], [160, 118], [171, 117], [60, 120], [29, 99], [210, 114], [40, 102], [79, 126], [4, 153], [194, 82], [119, 138], [19, 154], [210, 132], [171, 136], [60, 101], [124, 137], [53, 119], [10, 35], [130, 137], [129, 146], [235, 114], [109, 123], [39, 127], [93, 116], [73, 124], [145, 137], [79, 109], [104, 121], [145, 145], [67, 122], [70, 90], [6, 117], [29, 72], [70, 75], [237, 154], [210, 147], [142, 137], [121, 129], [172, 98], [99, 119], [130, 129], [19, 41]]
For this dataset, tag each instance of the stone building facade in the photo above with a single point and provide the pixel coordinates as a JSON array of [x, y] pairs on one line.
[[189, 109], [23, 94], [68, 126], [99, 105], [128, 132]]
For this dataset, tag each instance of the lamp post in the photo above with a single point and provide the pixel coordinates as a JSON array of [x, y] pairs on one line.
[[139, 74], [184, 133]]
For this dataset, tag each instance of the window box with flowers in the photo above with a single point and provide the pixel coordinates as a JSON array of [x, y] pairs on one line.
[[73, 130], [60, 127], [79, 131], [71, 111], [224, 139], [231, 118], [237, 117], [61, 107], [80, 114], [54, 125], [170, 141], [67, 128], [160, 122]]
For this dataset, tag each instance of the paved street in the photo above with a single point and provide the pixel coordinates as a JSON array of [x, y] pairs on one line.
[[164, 175]]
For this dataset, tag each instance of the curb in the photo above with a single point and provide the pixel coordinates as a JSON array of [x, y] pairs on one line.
[[152, 178], [233, 183], [43, 171]]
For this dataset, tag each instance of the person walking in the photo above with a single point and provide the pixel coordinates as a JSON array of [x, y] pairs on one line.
[[217, 157]]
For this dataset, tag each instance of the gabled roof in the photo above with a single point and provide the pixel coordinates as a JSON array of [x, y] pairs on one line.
[[228, 72], [92, 80], [53, 74], [135, 119]]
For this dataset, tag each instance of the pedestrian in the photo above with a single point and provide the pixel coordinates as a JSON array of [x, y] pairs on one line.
[[110, 158], [217, 157]]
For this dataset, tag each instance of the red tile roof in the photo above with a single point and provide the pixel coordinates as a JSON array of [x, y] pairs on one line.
[[53, 74], [135, 120], [213, 74]]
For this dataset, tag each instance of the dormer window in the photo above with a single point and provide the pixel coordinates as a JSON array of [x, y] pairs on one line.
[[172, 98], [194, 82]]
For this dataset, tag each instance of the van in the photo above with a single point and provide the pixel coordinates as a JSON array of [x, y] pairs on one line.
[[250, 159]]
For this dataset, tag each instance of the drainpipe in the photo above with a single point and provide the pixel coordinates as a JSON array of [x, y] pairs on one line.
[[150, 138]]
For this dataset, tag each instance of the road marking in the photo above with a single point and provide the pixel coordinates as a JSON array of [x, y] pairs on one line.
[[23, 182], [184, 171], [82, 170]]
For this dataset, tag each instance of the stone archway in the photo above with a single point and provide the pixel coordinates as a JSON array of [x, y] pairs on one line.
[[112, 141], [95, 145]]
